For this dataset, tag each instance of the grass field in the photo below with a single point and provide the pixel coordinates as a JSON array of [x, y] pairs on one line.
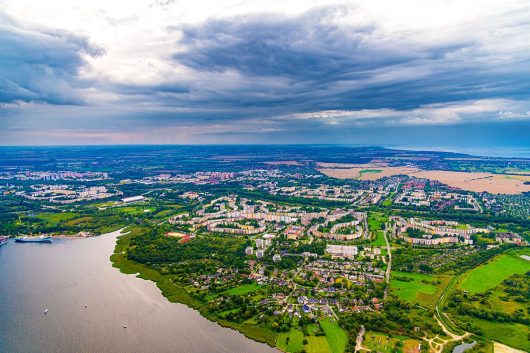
[[375, 220], [79, 221], [317, 344], [513, 335], [52, 218], [366, 171], [243, 289], [337, 338], [292, 341], [416, 291], [135, 210], [389, 200], [494, 272]]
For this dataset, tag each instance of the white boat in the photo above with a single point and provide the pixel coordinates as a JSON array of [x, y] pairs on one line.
[[30, 239]]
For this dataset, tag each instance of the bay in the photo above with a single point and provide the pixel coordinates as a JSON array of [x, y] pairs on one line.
[[68, 274]]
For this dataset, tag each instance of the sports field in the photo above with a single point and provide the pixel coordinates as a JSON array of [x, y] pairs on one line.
[[494, 272]]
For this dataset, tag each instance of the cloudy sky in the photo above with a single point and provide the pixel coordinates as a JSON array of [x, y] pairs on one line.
[[404, 73]]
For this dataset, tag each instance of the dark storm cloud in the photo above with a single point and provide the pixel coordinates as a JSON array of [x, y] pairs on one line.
[[40, 65], [326, 65], [329, 74]]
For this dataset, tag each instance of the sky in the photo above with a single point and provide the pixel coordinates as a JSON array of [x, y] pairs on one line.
[[409, 73]]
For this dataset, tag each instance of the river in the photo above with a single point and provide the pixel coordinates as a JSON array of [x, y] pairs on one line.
[[68, 274]]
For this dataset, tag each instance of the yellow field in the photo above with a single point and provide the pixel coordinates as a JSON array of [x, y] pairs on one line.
[[478, 182]]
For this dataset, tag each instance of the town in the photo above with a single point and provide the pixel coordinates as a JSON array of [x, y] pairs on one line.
[[288, 255]]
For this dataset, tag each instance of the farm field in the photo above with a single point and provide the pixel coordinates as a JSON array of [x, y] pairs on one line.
[[478, 182], [471, 181], [494, 272], [368, 171]]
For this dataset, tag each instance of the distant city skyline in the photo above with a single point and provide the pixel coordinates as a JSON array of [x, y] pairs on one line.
[[411, 74]]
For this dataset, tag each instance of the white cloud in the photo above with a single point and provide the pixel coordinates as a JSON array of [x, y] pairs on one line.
[[449, 62], [432, 114], [139, 36]]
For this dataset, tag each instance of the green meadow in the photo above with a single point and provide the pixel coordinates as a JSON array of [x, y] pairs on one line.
[[367, 171], [292, 341], [494, 272], [512, 334], [337, 338], [317, 344], [375, 221], [416, 291], [243, 289], [52, 218]]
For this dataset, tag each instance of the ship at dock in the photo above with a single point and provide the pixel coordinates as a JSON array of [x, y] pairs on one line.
[[3, 240], [38, 239]]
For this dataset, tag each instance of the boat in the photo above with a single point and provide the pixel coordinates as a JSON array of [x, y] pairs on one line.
[[3, 240], [39, 239]]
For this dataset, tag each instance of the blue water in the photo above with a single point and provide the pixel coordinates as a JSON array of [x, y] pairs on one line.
[[66, 275], [501, 152]]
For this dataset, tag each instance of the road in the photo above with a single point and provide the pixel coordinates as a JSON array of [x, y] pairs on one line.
[[389, 264], [294, 287], [359, 340]]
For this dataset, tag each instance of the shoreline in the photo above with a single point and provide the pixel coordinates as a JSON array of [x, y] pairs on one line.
[[176, 294]]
